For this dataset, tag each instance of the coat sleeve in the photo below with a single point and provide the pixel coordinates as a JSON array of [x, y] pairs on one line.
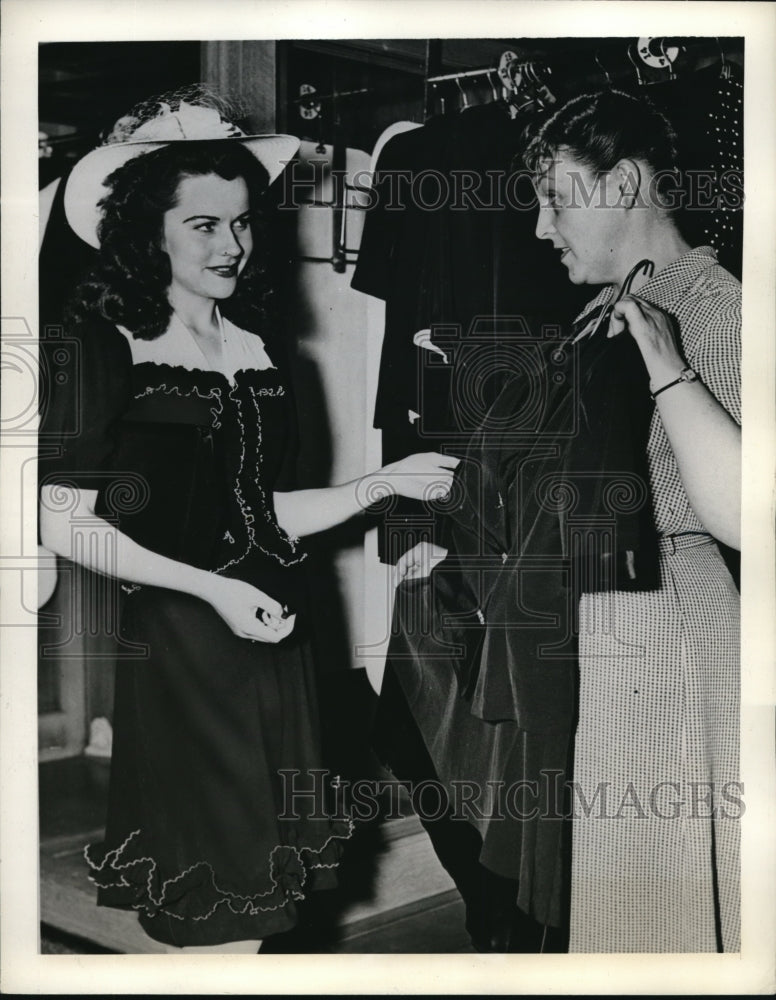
[[85, 388], [383, 222]]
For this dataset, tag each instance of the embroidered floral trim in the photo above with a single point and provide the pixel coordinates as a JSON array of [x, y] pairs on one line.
[[268, 508], [196, 886], [264, 391], [247, 513]]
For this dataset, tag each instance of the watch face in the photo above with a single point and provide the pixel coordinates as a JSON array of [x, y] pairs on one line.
[[689, 375]]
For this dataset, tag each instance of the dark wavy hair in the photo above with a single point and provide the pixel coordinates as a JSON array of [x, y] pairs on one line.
[[603, 128], [129, 284]]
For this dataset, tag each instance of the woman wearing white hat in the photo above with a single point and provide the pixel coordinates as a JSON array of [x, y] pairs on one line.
[[175, 480]]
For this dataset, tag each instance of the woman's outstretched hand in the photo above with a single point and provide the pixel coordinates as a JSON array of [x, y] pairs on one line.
[[653, 331], [248, 611], [423, 476], [417, 562]]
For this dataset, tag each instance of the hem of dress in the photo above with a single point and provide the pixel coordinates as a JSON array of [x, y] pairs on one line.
[[134, 883]]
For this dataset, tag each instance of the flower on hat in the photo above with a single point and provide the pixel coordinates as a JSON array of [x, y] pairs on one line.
[[192, 112], [190, 121]]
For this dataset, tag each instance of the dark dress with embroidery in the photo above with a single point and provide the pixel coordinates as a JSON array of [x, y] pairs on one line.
[[201, 838]]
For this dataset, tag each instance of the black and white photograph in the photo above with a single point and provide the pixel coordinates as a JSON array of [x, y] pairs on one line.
[[387, 522]]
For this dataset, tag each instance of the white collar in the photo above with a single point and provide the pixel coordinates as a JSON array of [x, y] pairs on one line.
[[178, 347]]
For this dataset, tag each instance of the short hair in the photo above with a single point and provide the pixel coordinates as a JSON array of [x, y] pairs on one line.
[[602, 128], [129, 284]]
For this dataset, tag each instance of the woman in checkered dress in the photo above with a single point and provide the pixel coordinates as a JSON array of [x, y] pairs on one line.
[[656, 799]]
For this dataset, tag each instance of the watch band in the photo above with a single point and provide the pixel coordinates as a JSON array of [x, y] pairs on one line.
[[686, 375]]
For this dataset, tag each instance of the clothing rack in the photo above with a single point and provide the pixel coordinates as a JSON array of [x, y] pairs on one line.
[[524, 82], [642, 56], [309, 100], [308, 104], [515, 75], [488, 71]]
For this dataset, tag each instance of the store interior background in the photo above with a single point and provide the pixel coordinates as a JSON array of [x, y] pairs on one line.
[[395, 896]]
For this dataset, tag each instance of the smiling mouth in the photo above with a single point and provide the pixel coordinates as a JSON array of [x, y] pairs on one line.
[[564, 251], [225, 272]]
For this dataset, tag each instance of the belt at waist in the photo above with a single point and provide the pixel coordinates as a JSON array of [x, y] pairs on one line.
[[669, 544]]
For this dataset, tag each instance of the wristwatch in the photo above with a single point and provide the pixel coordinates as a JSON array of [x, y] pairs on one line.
[[686, 375]]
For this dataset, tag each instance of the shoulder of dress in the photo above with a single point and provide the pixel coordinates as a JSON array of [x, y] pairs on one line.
[[715, 291], [94, 326], [707, 275], [100, 336]]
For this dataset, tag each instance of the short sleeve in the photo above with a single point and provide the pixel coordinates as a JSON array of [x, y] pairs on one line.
[[85, 388], [716, 352]]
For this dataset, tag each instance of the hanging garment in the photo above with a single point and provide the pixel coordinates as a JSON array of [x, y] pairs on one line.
[[485, 649], [64, 260], [723, 227], [449, 245]]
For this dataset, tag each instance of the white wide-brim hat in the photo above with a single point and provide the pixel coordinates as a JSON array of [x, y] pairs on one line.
[[86, 184]]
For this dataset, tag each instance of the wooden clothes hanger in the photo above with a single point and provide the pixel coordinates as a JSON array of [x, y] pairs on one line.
[[525, 84], [725, 67], [464, 98], [603, 68]]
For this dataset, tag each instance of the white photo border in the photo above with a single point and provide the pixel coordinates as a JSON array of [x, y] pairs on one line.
[[24, 970]]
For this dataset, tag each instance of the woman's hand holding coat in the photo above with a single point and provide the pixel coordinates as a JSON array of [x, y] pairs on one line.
[[705, 439], [416, 563]]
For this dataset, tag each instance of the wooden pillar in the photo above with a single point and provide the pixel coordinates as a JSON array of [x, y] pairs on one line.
[[248, 71]]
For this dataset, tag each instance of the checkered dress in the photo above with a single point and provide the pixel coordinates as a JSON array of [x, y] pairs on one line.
[[657, 743]]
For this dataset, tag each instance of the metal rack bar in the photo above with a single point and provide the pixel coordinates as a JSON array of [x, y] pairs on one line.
[[656, 47], [314, 98], [334, 261], [462, 76]]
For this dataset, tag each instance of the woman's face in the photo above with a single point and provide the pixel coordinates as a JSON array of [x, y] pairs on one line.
[[583, 216], [207, 236]]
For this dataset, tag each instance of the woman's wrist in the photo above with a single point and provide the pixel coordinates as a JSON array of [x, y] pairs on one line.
[[686, 375], [665, 369], [373, 487], [202, 583], [665, 377]]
